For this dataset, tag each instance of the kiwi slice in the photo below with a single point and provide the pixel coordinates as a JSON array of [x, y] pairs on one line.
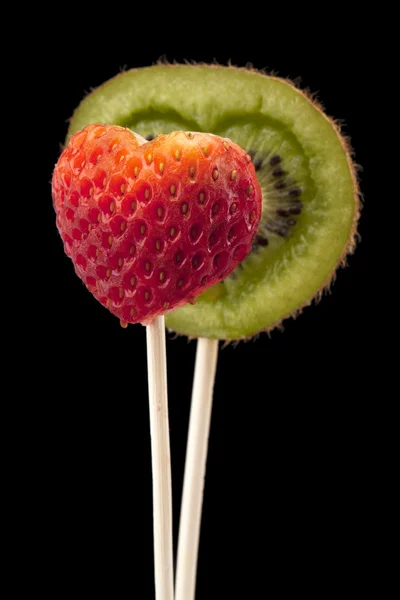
[[304, 165]]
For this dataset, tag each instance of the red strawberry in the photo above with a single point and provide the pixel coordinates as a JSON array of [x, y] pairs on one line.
[[150, 227]]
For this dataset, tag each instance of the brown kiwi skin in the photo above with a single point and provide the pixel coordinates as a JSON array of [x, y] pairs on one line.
[[354, 236]]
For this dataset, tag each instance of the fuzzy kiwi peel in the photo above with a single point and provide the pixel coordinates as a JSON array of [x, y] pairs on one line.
[[304, 165]]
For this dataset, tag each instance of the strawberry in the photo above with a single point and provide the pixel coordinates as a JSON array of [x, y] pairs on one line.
[[149, 227]]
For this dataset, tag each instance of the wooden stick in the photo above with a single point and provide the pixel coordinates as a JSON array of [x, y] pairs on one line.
[[196, 456], [161, 461]]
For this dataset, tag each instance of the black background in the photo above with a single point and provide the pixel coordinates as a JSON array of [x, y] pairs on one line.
[[291, 448]]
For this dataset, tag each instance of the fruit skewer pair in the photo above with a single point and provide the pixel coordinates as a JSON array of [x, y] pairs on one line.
[[308, 221]]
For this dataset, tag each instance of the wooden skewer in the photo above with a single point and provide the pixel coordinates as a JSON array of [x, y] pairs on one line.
[[196, 457], [161, 461]]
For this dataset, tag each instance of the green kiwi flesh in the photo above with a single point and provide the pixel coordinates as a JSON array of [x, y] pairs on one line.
[[310, 193]]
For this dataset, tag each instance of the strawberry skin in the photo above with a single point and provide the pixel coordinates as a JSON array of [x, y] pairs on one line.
[[150, 226]]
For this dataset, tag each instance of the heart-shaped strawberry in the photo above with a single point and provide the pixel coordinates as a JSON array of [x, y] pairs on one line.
[[149, 226]]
